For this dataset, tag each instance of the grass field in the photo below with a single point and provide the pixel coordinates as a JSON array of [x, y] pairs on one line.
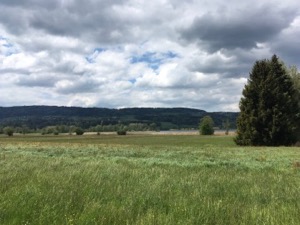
[[146, 179]]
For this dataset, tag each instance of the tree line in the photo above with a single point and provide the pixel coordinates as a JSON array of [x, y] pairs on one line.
[[60, 129], [36, 118]]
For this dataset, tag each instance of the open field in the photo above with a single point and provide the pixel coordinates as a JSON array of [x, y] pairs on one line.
[[146, 179]]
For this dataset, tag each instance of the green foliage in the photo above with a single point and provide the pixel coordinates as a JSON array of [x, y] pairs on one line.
[[295, 75], [269, 107], [129, 127], [50, 130], [79, 131], [206, 126], [169, 180], [9, 131], [22, 130], [121, 132], [38, 117]]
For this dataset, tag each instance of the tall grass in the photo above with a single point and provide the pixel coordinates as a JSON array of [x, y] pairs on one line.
[[132, 180]]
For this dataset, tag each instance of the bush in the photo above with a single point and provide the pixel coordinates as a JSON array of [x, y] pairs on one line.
[[206, 126], [79, 131], [9, 131], [121, 132]]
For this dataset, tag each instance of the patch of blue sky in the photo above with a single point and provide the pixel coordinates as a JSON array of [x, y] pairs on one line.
[[132, 80], [170, 55], [9, 48], [149, 58], [153, 59], [100, 50], [8, 45], [91, 58]]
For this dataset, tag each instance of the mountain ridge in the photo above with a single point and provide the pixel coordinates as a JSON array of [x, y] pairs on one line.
[[38, 116]]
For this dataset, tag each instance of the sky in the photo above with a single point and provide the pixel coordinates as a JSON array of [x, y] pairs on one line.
[[138, 53]]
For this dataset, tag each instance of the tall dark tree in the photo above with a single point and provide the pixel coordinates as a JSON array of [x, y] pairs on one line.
[[295, 75], [269, 107]]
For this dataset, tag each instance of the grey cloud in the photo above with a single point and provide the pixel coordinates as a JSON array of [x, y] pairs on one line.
[[231, 63], [14, 19], [78, 86], [230, 30], [15, 15], [14, 71], [217, 48], [37, 81], [90, 20], [68, 68], [103, 22], [93, 19], [30, 3], [287, 45]]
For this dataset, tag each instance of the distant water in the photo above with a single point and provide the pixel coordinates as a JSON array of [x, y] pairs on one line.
[[191, 131], [178, 131]]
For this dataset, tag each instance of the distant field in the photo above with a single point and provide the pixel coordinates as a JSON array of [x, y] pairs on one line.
[[146, 179]]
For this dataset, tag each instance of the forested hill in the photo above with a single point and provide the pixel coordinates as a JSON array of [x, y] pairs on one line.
[[36, 117]]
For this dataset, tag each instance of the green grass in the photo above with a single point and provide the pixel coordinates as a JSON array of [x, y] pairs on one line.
[[131, 139], [146, 179]]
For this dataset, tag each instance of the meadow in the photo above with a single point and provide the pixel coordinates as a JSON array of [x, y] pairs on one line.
[[146, 179]]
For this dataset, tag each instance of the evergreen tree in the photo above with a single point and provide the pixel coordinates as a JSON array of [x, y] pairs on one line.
[[269, 107], [295, 75]]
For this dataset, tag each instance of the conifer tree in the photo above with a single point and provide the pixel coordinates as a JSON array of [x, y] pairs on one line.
[[295, 75], [269, 107]]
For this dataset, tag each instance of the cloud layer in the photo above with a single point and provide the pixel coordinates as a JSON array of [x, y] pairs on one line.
[[139, 53]]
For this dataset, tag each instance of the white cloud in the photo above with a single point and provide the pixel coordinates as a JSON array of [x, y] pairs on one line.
[[139, 53]]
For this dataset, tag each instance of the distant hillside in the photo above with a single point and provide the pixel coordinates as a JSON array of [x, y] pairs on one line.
[[36, 117]]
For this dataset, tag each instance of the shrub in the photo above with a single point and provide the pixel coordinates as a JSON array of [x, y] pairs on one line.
[[9, 131], [121, 132], [79, 131], [206, 126]]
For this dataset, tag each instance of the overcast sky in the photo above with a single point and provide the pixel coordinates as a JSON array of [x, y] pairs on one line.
[[135, 53]]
